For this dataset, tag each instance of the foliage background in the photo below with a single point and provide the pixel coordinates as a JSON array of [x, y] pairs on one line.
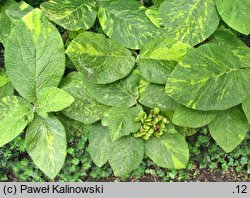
[[208, 161]]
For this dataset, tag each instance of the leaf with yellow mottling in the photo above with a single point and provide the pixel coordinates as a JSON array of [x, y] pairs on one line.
[[228, 39], [100, 59], [85, 108], [158, 58], [190, 21], [168, 151], [125, 22], [34, 55], [210, 77], [15, 114], [10, 13], [46, 144], [71, 14]]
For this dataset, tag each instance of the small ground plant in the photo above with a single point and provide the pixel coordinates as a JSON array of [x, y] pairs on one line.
[[140, 76]]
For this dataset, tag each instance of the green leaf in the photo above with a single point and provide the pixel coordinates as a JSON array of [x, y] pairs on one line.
[[190, 21], [71, 15], [46, 144], [159, 57], [229, 128], [185, 131], [126, 154], [235, 13], [72, 127], [157, 2], [153, 15], [10, 13], [85, 108], [153, 95], [121, 93], [187, 117], [210, 77], [40, 61], [99, 144], [3, 79], [169, 151], [53, 99], [16, 113], [125, 22], [101, 60], [6, 88], [121, 121], [226, 38], [246, 108]]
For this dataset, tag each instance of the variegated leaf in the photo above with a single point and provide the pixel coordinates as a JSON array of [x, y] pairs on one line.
[[72, 127], [100, 59], [85, 108], [125, 22], [190, 21], [159, 57], [10, 13], [123, 93], [227, 38], [169, 151], [6, 88], [40, 61], [71, 14], [210, 77], [121, 121], [153, 95], [153, 15], [52, 99], [15, 114], [46, 144]]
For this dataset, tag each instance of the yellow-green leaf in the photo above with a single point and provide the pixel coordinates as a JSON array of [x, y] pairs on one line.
[[34, 55], [100, 59], [71, 15], [210, 77], [121, 121], [46, 144], [169, 151], [190, 21], [15, 114], [53, 99], [125, 22]]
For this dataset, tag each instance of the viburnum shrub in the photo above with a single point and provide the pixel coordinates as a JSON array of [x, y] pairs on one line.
[[140, 77]]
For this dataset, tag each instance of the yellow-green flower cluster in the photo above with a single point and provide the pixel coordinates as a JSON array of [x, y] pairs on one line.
[[152, 124]]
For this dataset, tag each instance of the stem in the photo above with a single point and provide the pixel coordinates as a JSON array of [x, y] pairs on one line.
[[142, 2]]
